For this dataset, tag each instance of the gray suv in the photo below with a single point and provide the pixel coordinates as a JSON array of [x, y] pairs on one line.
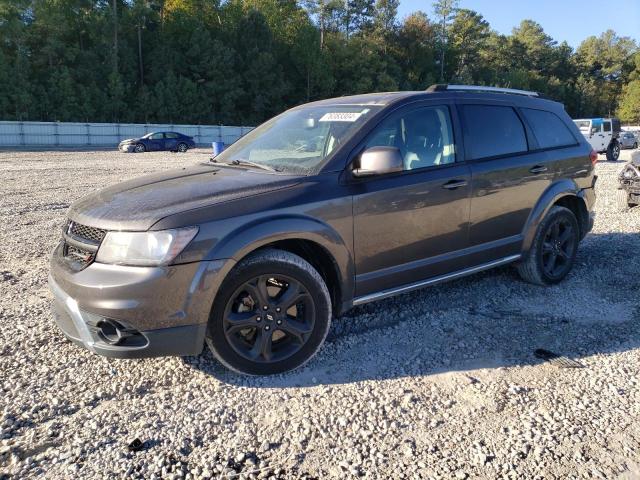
[[329, 205]]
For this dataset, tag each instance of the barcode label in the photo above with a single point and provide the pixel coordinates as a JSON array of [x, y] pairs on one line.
[[340, 117]]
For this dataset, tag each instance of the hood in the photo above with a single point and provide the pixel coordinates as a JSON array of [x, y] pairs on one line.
[[128, 140], [139, 203]]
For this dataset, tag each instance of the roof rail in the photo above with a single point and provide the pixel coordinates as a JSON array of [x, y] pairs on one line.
[[477, 88]]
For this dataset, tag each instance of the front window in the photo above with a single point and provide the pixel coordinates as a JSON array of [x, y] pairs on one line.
[[298, 141]]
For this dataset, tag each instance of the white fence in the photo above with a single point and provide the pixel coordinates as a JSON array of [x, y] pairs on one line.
[[31, 134]]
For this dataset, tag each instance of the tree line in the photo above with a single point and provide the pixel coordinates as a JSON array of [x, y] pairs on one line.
[[243, 61]]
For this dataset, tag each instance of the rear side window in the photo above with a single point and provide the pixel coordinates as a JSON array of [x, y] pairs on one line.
[[170, 135], [492, 130], [550, 131], [607, 126]]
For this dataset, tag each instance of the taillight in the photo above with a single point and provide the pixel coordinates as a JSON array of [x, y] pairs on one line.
[[594, 157]]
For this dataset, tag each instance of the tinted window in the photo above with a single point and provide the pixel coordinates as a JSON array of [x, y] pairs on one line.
[[549, 130], [170, 135], [492, 130], [423, 136], [607, 126], [156, 136]]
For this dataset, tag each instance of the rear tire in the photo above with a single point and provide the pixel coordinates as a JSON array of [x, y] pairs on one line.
[[635, 145], [613, 152], [553, 249], [271, 315], [182, 147], [622, 200]]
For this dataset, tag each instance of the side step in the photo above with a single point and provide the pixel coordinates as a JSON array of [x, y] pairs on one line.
[[433, 281]]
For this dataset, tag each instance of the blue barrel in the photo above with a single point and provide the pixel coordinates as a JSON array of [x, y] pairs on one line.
[[218, 147]]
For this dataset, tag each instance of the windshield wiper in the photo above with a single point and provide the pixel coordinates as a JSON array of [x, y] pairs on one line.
[[249, 163], [246, 163]]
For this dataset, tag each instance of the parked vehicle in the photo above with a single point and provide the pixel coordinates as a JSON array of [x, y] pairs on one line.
[[628, 194], [628, 140], [329, 205], [158, 141], [602, 134]]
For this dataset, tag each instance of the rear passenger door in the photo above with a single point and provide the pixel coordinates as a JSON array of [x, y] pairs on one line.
[[170, 141], [507, 177]]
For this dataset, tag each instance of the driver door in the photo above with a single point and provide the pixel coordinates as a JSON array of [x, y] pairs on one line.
[[408, 225], [156, 142]]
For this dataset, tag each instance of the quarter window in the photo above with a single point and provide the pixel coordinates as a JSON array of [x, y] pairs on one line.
[[492, 131], [424, 137], [549, 129]]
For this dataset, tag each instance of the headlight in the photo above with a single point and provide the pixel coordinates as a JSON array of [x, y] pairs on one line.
[[144, 248]]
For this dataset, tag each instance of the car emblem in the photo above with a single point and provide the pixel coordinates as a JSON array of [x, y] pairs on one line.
[[269, 317]]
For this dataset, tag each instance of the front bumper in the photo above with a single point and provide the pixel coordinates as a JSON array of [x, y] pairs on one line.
[[135, 312], [127, 147]]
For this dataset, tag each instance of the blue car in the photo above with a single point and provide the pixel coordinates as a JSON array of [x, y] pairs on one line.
[[158, 141]]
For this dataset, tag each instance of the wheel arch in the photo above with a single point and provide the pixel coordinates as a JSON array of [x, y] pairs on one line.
[[565, 193], [313, 240]]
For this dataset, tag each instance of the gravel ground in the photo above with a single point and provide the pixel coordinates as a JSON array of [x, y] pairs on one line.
[[440, 383]]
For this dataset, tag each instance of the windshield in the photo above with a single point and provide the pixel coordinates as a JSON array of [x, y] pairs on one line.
[[298, 141]]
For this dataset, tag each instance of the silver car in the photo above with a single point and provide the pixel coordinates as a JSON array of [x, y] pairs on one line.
[[628, 140]]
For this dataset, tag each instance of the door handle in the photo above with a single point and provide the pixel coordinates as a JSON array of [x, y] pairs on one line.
[[453, 184], [538, 169]]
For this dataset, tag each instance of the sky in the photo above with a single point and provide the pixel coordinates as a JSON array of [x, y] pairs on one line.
[[570, 20]]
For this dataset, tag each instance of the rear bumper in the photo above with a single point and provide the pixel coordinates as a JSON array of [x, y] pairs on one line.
[[588, 195]]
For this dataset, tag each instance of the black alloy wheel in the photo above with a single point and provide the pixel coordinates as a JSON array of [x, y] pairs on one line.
[[553, 249], [269, 318], [558, 247], [182, 147], [271, 314]]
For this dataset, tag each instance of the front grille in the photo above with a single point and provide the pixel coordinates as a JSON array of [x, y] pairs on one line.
[[83, 232], [80, 244], [78, 255]]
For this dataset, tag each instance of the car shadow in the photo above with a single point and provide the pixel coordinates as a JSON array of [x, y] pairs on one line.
[[488, 320]]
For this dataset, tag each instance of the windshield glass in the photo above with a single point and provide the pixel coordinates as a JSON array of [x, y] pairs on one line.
[[298, 141]]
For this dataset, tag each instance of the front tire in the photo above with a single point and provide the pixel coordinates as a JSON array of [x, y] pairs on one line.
[[271, 314], [613, 152], [139, 148], [553, 250]]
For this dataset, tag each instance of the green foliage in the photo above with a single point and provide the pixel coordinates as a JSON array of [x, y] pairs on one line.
[[629, 110], [243, 61]]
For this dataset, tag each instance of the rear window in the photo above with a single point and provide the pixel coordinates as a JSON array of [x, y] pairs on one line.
[[492, 130], [549, 129]]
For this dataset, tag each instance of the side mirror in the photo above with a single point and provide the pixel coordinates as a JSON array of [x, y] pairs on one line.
[[378, 161]]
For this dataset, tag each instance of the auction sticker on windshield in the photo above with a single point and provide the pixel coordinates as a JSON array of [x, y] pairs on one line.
[[340, 117]]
